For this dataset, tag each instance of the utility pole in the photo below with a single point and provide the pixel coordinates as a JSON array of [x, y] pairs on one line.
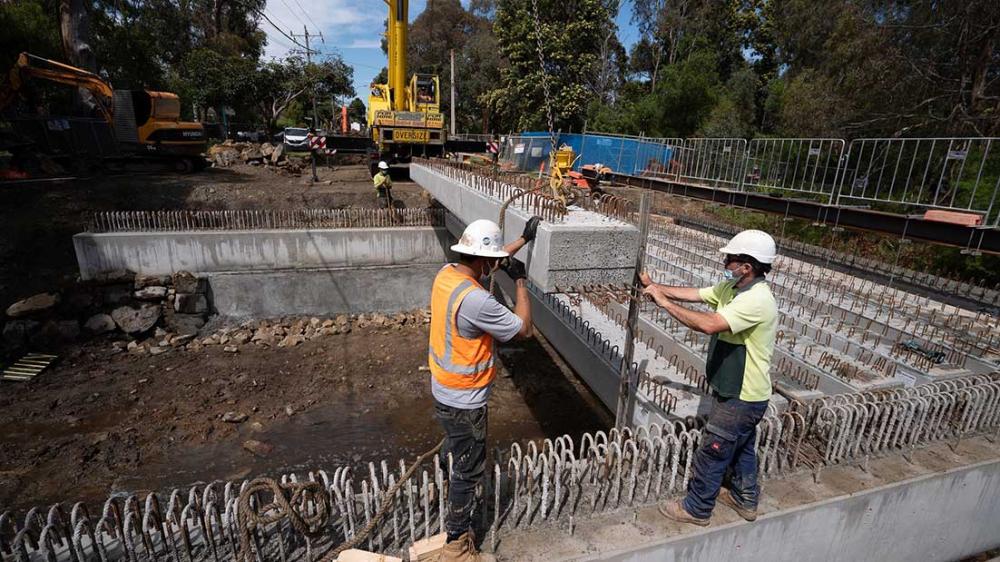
[[309, 52], [453, 92]]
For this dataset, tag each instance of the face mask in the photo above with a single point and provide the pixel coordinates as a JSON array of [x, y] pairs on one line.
[[727, 275]]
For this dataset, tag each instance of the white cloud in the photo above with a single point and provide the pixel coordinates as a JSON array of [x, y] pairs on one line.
[[364, 44]]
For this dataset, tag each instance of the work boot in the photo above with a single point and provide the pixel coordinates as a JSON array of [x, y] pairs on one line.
[[463, 549], [675, 510], [727, 498]]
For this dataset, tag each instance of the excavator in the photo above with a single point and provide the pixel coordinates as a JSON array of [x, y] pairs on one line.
[[404, 115], [137, 123]]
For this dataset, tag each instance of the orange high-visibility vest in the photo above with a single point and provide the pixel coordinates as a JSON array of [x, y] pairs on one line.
[[456, 363]]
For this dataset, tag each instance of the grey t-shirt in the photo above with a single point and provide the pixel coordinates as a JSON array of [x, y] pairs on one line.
[[480, 312]]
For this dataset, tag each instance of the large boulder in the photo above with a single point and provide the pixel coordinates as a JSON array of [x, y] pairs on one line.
[[278, 154], [190, 304], [252, 154], [55, 332], [99, 324], [16, 332], [136, 320], [31, 305], [186, 282], [151, 293], [267, 149]]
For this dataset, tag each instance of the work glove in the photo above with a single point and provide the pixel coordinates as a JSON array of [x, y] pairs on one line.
[[530, 229], [514, 269]]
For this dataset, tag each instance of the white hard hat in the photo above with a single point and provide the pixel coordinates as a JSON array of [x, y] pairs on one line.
[[481, 238], [754, 243], [383, 166]]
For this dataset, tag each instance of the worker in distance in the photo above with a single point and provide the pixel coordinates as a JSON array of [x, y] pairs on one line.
[[742, 323], [466, 321], [383, 186]]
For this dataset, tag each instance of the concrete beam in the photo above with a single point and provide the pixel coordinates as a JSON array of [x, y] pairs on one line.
[[585, 247], [202, 252]]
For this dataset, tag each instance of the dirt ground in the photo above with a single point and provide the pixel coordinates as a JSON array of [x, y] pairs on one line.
[[99, 422]]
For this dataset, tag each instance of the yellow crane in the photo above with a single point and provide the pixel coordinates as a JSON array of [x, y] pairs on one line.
[[404, 114]]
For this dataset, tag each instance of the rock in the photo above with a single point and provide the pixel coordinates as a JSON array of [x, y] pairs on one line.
[[136, 348], [291, 340], [190, 303], [266, 149], [289, 411], [328, 323], [252, 154], [115, 276], [80, 302], [143, 281], [178, 341], [262, 337], [157, 350], [231, 349], [342, 320], [151, 293], [186, 282], [241, 337], [210, 340], [185, 324], [116, 295], [278, 154], [17, 332], [99, 324], [258, 448], [33, 304], [136, 320], [55, 332], [234, 417]]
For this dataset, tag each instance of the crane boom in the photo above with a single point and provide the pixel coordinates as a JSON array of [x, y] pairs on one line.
[[398, 20]]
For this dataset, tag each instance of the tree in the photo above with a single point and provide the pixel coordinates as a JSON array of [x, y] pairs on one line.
[[570, 54], [357, 112], [279, 83]]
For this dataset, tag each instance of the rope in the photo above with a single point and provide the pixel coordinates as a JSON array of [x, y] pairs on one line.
[[290, 502], [503, 217]]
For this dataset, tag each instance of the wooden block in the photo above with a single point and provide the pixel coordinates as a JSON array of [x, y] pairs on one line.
[[428, 549], [953, 217], [356, 555]]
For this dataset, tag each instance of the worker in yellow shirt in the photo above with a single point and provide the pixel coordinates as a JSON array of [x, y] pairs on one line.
[[743, 324], [383, 186]]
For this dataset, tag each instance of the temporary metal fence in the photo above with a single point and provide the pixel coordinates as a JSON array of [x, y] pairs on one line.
[[808, 166], [900, 175], [961, 174], [263, 219]]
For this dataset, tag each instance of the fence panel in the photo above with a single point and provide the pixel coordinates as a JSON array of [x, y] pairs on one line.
[[717, 162], [655, 156], [802, 165], [959, 174]]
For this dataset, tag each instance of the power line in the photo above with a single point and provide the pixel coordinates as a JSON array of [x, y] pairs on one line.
[[292, 11], [303, 10]]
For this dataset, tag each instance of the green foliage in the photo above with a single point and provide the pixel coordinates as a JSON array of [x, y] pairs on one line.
[[571, 54], [28, 25]]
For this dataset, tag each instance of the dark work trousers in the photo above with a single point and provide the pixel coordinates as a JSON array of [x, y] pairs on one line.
[[383, 197], [465, 439], [727, 445]]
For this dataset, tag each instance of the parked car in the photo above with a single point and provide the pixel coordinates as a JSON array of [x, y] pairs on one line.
[[295, 138]]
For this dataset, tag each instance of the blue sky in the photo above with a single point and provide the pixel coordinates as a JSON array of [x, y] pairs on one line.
[[352, 28]]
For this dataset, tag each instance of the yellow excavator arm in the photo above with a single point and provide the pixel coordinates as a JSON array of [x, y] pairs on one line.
[[31, 66]]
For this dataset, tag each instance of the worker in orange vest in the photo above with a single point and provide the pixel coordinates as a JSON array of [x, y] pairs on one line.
[[465, 321]]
